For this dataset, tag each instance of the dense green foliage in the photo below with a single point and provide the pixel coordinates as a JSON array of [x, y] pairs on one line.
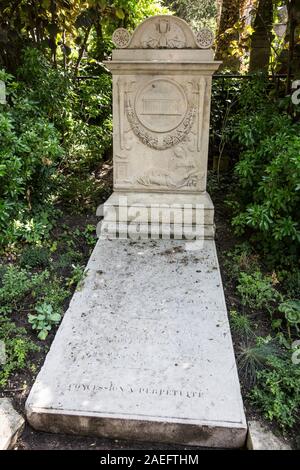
[[198, 14], [266, 302], [35, 126], [33, 293], [29, 150], [17, 349], [278, 391], [54, 135], [43, 320], [256, 131], [65, 29], [265, 198]]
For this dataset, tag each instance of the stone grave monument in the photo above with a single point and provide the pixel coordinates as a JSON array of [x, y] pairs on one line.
[[161, 106], [144, 351]]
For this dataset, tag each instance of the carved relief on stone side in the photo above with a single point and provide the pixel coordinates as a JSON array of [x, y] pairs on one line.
[[164, 34], [121, 171], [204, 38], [121, 38], [120, 86], [128, 138], [182, 173], [163, 119], [169, 140], [201, 98], [124, 137]]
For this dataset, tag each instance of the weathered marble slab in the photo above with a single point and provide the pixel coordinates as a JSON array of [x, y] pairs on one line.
[[144, 351]]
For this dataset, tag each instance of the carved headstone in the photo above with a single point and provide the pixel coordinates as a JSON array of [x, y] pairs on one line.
[[144, 351], [161, 107]]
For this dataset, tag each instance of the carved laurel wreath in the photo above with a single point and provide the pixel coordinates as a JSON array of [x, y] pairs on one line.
[[169, 140]]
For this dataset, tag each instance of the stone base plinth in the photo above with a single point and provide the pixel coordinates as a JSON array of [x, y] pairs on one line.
[[158, 215]]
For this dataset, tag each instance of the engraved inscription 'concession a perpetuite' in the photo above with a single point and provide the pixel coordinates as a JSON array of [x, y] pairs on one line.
[[128, 389]]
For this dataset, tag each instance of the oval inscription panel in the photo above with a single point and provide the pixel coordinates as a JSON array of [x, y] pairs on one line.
[[161, 105]]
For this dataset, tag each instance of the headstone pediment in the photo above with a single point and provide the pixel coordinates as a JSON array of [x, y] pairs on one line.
[[163, 32]]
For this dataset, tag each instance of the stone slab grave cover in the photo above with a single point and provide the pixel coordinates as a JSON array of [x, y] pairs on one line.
[[144, 351]]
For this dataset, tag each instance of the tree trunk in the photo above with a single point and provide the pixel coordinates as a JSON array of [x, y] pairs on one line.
[[262, 37], [292, 36], [53, 46], [82, 49], [229, 16], [289, 60], [99, 41]]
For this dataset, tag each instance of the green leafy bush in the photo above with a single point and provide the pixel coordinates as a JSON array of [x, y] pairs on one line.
[[241, 324], [54, 134], [224, 105], [14, 285], [289, 279], [90, 235], [77, 276], [53, 293], [87, 140], [277, 391], [35, 256], [253, 357], [29, 150], [17, 349], [266, 195], [46, 87], [241, 258], [257, 291], [67, 259], [291, 311], [45, 318]]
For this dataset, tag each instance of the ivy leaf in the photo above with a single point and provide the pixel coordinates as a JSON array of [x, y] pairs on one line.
[[120, 13], [43, 334], [55, 317]]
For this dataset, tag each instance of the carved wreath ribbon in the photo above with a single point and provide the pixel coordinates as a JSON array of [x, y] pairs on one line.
[[170, 139]]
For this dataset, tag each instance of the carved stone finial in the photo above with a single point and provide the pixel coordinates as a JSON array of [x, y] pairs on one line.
[[163, 32], [121, 38], [205, 38]]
